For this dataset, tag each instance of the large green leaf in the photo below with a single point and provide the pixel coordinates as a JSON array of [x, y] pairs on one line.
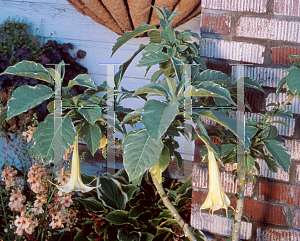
[[119, 75], [209, 143], [153, 88], [147, 236], [279, 153], [118, 217], [250, 131], [210, 89], [153, 58], [46, 138], [280, 86], [30, 69], [168, 35], [83, 80], [211, 75], [90, 204], [110, 193], [221, 118], [158, 116], [249, 163], [271, 163], [162, 164], [131, 34], [132, 116], [91, 135], [293, 80], [140, 153], [91, 115], [26, 97], [123, 235], [226, 149], [155, 36], [251, 83], [195, 35], [178, 66]]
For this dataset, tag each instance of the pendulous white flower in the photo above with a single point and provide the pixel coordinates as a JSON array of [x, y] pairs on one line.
[[216, 197], [75, 182]]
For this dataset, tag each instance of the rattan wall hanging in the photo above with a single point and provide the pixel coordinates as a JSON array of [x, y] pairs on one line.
[[126, 15]]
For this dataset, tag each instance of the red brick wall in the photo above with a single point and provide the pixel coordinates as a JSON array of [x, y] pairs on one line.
[[263, 33]]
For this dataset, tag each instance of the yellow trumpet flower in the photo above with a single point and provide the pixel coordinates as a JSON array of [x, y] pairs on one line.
[[75, 182], [102, 142], [216, 197]]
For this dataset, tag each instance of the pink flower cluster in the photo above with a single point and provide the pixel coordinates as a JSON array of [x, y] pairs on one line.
[[59, 211], [17, 201], [8, 176], [62, 176], [60, 215], [29, 134], [25, 223], [37, 177]]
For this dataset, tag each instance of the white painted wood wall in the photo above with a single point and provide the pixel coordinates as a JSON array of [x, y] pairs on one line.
[[58, 19]]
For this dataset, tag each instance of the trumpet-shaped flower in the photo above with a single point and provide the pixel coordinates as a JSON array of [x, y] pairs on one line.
[[75, 182], [216, 197]]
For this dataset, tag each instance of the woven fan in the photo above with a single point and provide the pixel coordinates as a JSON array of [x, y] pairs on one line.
[[126, 15]]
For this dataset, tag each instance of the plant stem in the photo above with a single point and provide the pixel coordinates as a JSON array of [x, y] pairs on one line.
[[4, 212], [188, 233], [241, 176], [288, 100], [239, 210]]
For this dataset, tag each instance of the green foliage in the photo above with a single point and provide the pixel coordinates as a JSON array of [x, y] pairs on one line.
[[129, 212], [30, 69], [15, 35], [27, 97]]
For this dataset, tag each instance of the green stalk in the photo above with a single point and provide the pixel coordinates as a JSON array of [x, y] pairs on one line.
[[4, 212], [241, 176], [188, 233]]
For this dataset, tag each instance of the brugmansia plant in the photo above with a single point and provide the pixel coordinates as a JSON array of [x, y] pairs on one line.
[[150, 148]]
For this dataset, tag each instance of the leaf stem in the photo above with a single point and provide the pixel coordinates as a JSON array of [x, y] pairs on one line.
[[288, 100], [172, 209]]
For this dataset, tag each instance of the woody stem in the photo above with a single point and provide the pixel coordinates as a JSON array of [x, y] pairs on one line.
[[188, 233], [241, 176]]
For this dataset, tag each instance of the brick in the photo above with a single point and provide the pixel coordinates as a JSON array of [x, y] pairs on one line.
[[275, 192], [280, 55], [223, 67], [219, 225], [255, 99], [268, 28], [201, 180], [294, 107], [298, 174], [263, 212], [296, 219], [265, 172], [215, 23], [256, 6], [272, 234], [269, 77], [198, 197], [287, 7], [233, 50], [293, 148]]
